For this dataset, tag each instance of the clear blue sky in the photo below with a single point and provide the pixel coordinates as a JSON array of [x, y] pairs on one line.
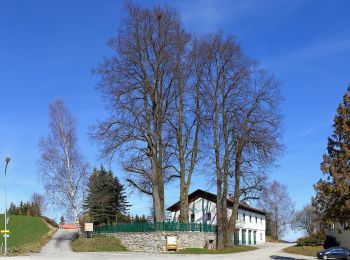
[[48, 49]]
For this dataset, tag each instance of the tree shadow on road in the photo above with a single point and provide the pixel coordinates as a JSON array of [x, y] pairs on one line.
[[277, 257]]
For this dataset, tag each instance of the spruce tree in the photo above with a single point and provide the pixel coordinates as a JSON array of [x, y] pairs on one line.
[[105, 197], [332, 199], [62, 220]]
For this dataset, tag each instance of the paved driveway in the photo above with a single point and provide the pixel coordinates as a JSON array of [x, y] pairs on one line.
[[60, 243], [59, 248]]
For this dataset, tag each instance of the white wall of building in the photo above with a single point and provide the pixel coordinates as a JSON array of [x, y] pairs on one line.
[[343, 237], [250, 222]]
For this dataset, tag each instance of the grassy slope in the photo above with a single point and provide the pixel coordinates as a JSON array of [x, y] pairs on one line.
[[235, 249], [97, 244], [303, 250], [272, 240], [28, 234]]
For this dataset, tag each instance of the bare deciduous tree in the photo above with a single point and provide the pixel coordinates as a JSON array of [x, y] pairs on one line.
[[225, 68], [137, 83], [256, 135], [64, 172], [39, 203], [163, 87], [185, 117], [243, 119], [305, 220], [275, 200]]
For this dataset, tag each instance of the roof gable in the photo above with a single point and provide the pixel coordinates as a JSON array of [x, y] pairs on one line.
[[212, 197]]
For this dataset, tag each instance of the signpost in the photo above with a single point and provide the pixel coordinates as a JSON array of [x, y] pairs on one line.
[[89, 228], [171, 243]]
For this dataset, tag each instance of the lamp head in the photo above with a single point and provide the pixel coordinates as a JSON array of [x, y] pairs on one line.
[[7, 160]]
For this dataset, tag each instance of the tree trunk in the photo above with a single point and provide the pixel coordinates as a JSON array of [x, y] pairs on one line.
[[233, 219], [184, 209], [158, 204]]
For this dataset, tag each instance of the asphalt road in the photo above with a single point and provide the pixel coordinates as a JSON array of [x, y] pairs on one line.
[[59, 248], [60, 243]]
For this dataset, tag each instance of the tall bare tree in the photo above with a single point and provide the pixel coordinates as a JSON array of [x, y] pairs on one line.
[[225, 68], [275, 200], [243, 119], [137, 84], [305, 220], [64, 172], [256, 134], [185, 117]]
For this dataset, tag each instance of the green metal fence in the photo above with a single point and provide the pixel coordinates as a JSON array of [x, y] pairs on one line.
[[155, 226]]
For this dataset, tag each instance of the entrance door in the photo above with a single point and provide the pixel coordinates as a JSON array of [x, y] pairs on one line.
[[249, 237], [243, 236], [236, 237], [254, 237]]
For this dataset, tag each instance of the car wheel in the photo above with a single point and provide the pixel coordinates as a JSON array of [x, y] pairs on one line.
[[324, 257]]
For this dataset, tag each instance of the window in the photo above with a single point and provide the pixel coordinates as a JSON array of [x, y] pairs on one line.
[[192, 217], [260, 236], [243, 217], [208, 216], [256, 219], [250, 218], [261, 221]]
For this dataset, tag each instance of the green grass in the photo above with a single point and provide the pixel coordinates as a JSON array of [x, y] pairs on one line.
[[97, 244], [28, 234], [272, 240], [229, 250], [303, 250]]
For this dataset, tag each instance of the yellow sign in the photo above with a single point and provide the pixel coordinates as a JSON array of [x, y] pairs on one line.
[[5, 231]]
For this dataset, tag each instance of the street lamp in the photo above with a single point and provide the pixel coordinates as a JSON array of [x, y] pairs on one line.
[[7, 161]]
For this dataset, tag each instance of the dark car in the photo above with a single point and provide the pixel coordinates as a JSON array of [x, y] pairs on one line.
[[334, 253]]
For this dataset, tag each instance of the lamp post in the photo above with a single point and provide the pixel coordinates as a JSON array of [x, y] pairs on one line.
[[7, 161]]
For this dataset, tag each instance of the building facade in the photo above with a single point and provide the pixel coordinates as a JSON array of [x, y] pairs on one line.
[[251, 222], [341, 234]]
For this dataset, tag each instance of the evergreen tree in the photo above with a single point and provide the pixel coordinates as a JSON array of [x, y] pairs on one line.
[[332, 200], [12, 209], [62, 220], [105, 197], [268, 224]]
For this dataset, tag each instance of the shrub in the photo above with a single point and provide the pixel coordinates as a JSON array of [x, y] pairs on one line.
[[330, 241], [50, 221], [316, 239]]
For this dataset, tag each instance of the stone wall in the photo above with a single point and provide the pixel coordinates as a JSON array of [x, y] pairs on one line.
[[155, 242]]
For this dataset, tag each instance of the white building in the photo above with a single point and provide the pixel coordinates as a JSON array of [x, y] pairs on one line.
[[251, 223], [341, 234]]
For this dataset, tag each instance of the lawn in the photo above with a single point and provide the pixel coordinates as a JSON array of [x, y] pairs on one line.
[[235, 249], [28, 234], [97, 244], [272, 240], [303, 250]]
